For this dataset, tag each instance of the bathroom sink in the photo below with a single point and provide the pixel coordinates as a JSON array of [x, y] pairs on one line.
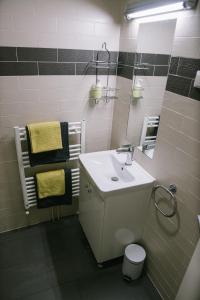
[[108, 171]]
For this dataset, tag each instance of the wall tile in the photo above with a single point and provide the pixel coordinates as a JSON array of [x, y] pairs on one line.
[[178, 85], [130, 59], [155, 59], [123, 57], [18, 68], [194, 92], [176, 157], [128, 44], [183, 47], [75, 27], [188, 27], [8, 54], [144, 72], [171, 118], [106, 30], [84, 69], [6, 21], [104, 56], [188, 67], [173, 65], [36, 54], [18, 38], [162, 59], [48, 24], [148, 58], [183, 105], [190, 128], [56, 68], [7, 82], [71, 55], [161, 71], [125, 71]]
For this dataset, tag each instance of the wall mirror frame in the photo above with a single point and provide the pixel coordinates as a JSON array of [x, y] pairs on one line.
[[154, 45]]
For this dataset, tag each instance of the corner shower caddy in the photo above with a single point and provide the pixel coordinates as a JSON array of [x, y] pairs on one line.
[[27, 183], [103, 64]]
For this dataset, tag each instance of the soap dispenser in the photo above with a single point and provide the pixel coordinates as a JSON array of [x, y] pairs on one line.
[[96, 91], [137, 89]]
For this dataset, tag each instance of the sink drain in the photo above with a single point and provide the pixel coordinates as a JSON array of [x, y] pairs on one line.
[[114, 178]]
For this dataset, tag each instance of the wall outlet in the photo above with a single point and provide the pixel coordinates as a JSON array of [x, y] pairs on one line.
[[197, 80]]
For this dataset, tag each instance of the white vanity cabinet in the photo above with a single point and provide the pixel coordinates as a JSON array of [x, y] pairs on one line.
[[91, 214], [111, 221]]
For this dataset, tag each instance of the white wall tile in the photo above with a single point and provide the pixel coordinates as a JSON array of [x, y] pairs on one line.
[[128, 45], [188, 26], [68, 24], [70, 27], [186, 47], [176, 158], [156, 37], [6, 22], [183, 105]]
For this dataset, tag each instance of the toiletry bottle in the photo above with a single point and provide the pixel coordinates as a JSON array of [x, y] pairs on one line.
[[96, 91], [99, 90], [137, 89]]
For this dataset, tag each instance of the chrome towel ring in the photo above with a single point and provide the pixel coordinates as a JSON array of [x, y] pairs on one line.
[[171, 191]]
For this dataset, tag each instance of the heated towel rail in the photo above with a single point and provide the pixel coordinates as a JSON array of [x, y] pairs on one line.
[[27, 183]]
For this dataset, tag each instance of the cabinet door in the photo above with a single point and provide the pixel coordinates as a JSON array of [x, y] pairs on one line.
[[91, 214]]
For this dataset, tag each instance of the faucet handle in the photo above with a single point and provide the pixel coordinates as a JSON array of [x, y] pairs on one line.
[[126, 148], [132, 148], [129, 147], [123, 148]]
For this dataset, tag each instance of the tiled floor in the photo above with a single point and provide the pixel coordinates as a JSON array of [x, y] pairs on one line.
[[53, 261]]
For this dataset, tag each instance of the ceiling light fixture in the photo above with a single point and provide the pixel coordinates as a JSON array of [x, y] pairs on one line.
[[149, 8]]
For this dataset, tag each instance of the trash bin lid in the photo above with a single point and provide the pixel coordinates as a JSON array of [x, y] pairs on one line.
[[135, 253]]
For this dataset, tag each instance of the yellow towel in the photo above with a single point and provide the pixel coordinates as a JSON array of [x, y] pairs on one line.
[[51, 183], [45, 136]]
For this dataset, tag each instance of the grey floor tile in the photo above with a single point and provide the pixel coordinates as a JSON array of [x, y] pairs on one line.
[[108, 286], [62, 292], [54, 261]]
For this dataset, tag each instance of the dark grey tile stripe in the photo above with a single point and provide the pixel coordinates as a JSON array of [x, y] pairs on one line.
[[51, 61], [194, 92], [36, 54], [182, 72], [157, 64], [8, 54], [161, 71], [178, 85], [19, 61], [73, 55], [18, 68], [125, 71], [103, 55], [155, 59], [56, 68]]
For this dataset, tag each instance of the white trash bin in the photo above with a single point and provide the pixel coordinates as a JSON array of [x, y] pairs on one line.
[[134, 258]]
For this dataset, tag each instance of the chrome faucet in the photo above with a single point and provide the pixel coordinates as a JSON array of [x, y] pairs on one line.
[[129, 149], [148, 146]]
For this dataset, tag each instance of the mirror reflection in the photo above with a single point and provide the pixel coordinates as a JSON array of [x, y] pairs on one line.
[[154, 47]]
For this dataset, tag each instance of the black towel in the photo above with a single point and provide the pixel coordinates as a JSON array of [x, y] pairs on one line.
[[65, 199], [54, 156]]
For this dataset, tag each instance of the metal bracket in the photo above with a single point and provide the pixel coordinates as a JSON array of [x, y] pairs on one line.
[[173, 188]]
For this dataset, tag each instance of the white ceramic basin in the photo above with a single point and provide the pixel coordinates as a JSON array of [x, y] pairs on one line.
[[103, 166]]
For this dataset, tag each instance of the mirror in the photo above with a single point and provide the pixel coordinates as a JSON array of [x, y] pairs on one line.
[[154, 47]]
